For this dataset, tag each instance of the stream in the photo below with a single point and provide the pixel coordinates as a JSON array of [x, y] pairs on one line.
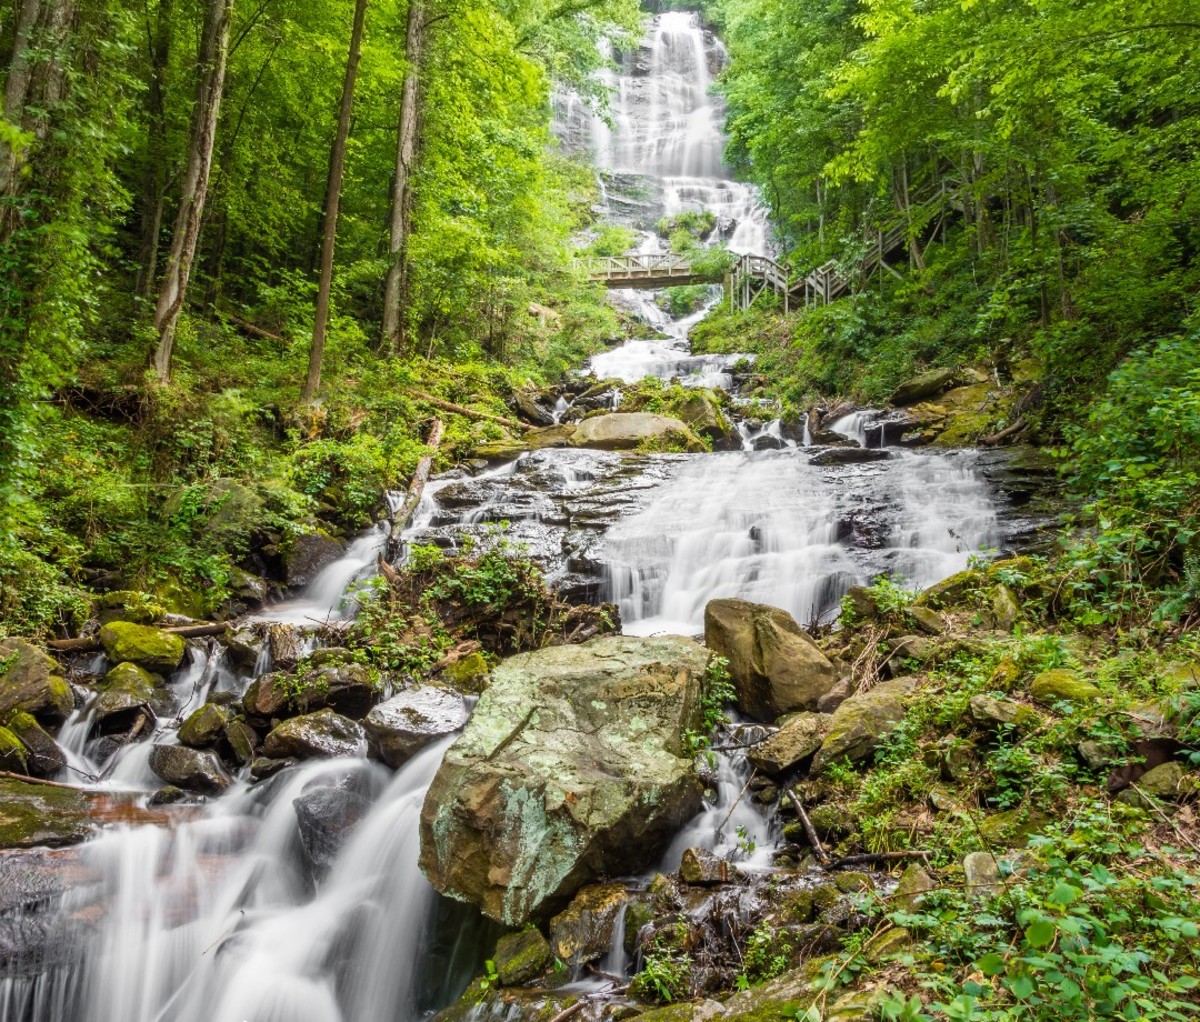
[[220, 917]]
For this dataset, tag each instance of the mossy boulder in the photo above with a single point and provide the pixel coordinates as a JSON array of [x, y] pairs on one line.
[[205, 727], [1164, 781], [1005, 608], [625, 431], [126, 692], [307, 555], [701, 411], [129, 605], [31, 682], [242, 740], [992, 712], [960, 589], [151, 648], [862, 721], [522, 956], [12, 752], [323, 734], [519, 818], [1013, 827], [914, 882], [773, 663], [1062, 686], [43, 757], [33, 814], [925, 385]]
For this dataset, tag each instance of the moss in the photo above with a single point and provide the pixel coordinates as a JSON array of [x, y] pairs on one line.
[[151, 648], [852, 882], [1012, 828], [957, 590], [204, 727], [131, 680], [41, 814], [12, 752], [519, 957], [470, 674], [1062, 686]]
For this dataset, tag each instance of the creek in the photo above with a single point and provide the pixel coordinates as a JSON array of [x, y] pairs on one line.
[[222, 917]]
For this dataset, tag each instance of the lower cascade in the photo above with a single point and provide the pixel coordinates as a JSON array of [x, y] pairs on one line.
[[537, 801]]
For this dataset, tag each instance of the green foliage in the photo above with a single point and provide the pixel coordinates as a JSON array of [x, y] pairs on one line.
[[611, 240], [698, 224], [767, 953], [666, 973]]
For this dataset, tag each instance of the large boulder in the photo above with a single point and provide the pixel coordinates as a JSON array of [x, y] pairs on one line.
[[1062, 686], [583, 931], [191, 769], [151, 648], [623, 431], [701, 412], [774, 665], [848, 456], [33, 814], [205, 726], [862, 722], [307, 555], [31, 682], [800, 737], [126, 693], [43, 757], [325, 815], [572, 766], [926, 385], [405, 724], [321, 734]]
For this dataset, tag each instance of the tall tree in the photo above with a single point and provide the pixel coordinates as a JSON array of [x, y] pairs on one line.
[[155, 175], [213, 56], [396, 286], [333, 198]]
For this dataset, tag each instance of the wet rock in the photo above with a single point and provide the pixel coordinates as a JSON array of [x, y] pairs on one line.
[[834, 698], [405, 724], [266, 697], [994, 712], [795, 741], [848, 456], [699, 867], [522, 956], [920, 388], [701, 412], [325, 816], [346, 688], [287, 646], [624, 431], [242, 741], [205, 727], [193, 769], [518, 818], [862, 721], [767, 442], [43, 757], [263, 767], [776, 668], [244, 645], [307, 555], [33, 814], [1061, 685], [13, 757], [151, 648], [315, 735], [126, 693], [31, 681], [583, 931], [532, 409], [168, 795]]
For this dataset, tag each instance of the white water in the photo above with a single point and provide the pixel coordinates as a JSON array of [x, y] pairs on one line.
[[771, 528]]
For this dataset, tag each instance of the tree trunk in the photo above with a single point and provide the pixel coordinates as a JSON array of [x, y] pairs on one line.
[[154, 181], [214, 51], [395, 297], [35, 82], [333, 197]]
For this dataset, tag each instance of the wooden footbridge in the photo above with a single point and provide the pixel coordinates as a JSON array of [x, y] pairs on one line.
[[752, 275]]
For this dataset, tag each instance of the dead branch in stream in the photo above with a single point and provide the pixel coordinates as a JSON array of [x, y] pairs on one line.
[[809, 829], [402, 517], [470, 413], [874, 858]]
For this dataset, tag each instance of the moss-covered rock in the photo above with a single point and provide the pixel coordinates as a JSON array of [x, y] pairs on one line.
[[959, 590], [191, 769], [625, 431], [520, 957], [862, 721], [205, 727], [800, 737], [992, 712], [315, 735], [1006, 608], [583, 931], [242, 741], [1164, 781], [851, 882], [151, 648], [1061, 685], [518, 819], [1013, 827], [129, 605], [12, 752], [33, 814], [468, 674], [31, 682], [914, 882], [43, 757], [928, 384]]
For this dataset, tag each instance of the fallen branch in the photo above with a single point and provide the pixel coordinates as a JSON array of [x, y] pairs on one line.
[[402, 517], [736, 801], [250, 328], [1004, 434], [566, 1013], [470, 413], [871, 858], [809, 829], [10, 776], [91, 643]]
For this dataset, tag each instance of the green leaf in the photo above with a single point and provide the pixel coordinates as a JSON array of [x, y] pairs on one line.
[[1041, 933], [1064, 894], [1021, 986], [991, 965]]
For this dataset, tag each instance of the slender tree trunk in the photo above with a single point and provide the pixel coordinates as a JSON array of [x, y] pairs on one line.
[[154, 181], [395, 296], [214, 51], [333, 198], [35, 83]]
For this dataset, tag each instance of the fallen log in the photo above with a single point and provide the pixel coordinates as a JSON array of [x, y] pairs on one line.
[[874, 858], [252, 329], [91, 643], [470, 413], [420, 477], [1004, 434]]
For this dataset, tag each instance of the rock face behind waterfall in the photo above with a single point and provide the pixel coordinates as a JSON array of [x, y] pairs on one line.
[[774, 665], [572, 767]]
